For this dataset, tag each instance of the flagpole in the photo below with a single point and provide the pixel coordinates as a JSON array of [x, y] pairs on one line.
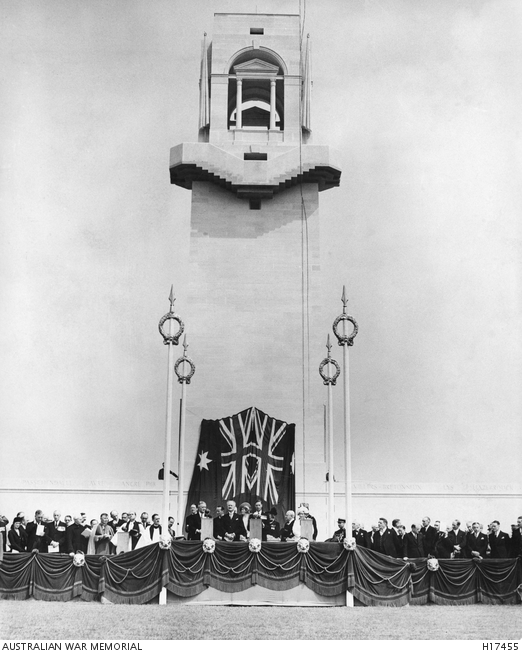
[[183, 379], [329, 380], [346, 341], [170, 340]]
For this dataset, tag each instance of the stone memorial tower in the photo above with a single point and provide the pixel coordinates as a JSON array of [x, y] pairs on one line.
[[254, 319]]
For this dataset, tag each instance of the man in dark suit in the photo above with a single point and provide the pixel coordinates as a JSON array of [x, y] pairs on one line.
[[56, 533], [499, 542], [232, 523], [272, 530], [385, 540], [414, 543], [516, 539], [457, 538], [193, 523], [37, 534], [361, 536], [287, 530], [476, 543], [399, 530], [218, 526], [430, 536], [73, 536], [132, 527]]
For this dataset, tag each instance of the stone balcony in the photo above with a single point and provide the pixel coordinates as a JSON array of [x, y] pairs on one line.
[[254, 172]]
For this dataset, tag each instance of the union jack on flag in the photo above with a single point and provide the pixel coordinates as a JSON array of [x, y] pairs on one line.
[[244, 457]]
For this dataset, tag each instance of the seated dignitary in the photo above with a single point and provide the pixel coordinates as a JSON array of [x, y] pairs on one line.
[[103, 533], [73, 535], [414, 543], [430, 535], [56, 533], [340, 533], [499, 542], [37, 534], [516, 538], [361, 536], [289, 530], [244, 514], [17, 536], [457, 538], [272, 530], [476, 543], [232, 523], [218, 526]]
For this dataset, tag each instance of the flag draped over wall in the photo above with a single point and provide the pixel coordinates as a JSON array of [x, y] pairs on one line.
[[245, 457]]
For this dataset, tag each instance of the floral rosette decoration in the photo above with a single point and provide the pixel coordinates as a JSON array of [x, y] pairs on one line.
[[254, 545], [79, 559], [303, 545], [165, 541], [433, 564], [350, 543], [209, 545]]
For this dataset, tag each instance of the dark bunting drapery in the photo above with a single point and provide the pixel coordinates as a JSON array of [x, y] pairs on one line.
[[380, 580], [135, 577], [243, 457], [326, 568]]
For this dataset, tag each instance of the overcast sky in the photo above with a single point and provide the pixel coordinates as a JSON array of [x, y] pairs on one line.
[[423, 101]]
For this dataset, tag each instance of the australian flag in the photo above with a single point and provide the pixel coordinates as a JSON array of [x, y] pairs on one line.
[[245, 457]]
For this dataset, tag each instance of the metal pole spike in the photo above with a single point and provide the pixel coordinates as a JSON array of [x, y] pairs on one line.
[[344, 299], [328, 344], [172, 297]]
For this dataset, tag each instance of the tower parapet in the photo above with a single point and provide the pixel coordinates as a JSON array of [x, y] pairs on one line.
[[255, 137]]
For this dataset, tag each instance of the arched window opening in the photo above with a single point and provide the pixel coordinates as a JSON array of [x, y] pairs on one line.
[[256, 88]]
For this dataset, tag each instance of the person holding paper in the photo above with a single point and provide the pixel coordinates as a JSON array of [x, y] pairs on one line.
[[56, 534], [132, 527], [37, 534], [102, 535]]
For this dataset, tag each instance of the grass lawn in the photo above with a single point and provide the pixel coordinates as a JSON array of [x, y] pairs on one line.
[[89, 620]]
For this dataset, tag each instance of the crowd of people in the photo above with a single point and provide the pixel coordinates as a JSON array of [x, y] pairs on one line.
[[75, 533]]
